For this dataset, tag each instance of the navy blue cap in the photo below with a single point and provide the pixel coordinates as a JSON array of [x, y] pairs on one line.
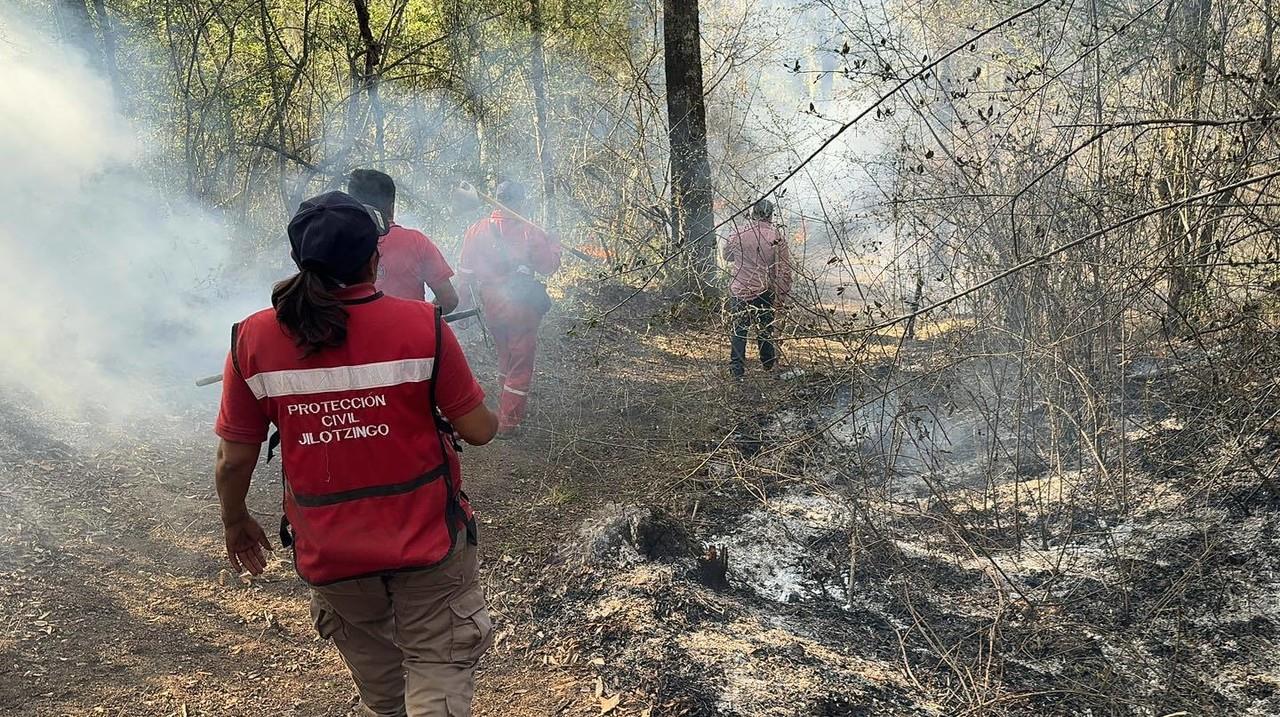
[[333, 234]]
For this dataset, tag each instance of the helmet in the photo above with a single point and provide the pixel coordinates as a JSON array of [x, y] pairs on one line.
[[510, 191], [464, 195]]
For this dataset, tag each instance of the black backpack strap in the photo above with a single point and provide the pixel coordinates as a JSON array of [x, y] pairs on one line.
[[435, 362], [235, 360], [455, 516], [473, 531], [286, 528], [273, 443], [286, 535], [442, 424]]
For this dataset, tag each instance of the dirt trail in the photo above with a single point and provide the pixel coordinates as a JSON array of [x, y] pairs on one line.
[[113, 597], [114, 600]]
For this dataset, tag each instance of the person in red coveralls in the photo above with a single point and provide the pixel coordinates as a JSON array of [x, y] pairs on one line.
[[501, 256], [409, 258], [362, 388]]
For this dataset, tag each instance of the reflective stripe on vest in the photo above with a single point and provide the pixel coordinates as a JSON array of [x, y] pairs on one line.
[[294, 382]]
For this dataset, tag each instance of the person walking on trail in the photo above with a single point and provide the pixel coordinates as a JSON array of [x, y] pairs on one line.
[[366, 393], [409, 257], [501, 256], [760, 283]]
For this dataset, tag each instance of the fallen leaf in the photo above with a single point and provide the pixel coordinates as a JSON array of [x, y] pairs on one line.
[[609, 704]]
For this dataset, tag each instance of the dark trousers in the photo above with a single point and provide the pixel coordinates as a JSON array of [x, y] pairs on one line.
[[745, 312]]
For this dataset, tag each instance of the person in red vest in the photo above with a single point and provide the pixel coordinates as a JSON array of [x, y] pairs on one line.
[[409, 257], [501, 256], [366, 392]]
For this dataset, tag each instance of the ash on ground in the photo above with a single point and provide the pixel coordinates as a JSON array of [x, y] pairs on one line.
[[851, 596]]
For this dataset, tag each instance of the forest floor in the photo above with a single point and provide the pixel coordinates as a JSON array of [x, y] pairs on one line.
[[114, 598]]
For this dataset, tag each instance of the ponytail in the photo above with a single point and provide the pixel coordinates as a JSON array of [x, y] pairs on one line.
[[309, 312]]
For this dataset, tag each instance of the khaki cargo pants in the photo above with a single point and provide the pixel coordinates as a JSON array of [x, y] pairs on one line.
[[410, 640]]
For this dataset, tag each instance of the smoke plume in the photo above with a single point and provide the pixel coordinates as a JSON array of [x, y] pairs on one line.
[[108, 282]]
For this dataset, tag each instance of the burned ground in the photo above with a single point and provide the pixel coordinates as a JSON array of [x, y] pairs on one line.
[[114, 599], [113, 593]]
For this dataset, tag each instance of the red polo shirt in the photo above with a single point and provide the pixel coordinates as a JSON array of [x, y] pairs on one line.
[[409, 260], [243, 418]]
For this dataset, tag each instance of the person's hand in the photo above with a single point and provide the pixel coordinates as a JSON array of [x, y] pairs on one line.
[[245, 543]]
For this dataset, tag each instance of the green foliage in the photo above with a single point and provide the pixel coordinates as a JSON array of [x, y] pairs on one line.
[[254, 104]]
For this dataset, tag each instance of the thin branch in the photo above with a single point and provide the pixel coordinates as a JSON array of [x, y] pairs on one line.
[[1134, 218]]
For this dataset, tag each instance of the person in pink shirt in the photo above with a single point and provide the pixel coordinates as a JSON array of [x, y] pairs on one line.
[[761, 281], [409, 258]]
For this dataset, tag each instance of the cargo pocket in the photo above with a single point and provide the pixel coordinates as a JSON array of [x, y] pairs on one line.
[[472, 628], [326, 621]]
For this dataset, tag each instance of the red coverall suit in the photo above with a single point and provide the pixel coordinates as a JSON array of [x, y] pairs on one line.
[[493, 250]]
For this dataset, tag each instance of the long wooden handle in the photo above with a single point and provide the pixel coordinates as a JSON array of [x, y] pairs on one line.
[[520, 217], [514, 214]]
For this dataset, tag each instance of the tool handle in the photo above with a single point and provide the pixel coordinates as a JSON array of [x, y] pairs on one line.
[[514, 214], [460, 315], [582, 255], [209, 380], [519, 217]]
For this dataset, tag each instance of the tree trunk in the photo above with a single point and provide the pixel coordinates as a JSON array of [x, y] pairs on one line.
[[80, 29], [278, 104], [77, 26], [694, 223], [538, 78], [369, 76], [1188, 34], [465, 50], [108, 46]]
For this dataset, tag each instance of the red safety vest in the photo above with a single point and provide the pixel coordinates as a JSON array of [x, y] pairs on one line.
[[372, 483]]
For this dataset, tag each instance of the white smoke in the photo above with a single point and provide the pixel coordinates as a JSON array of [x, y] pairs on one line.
[[107, 282], [780, 96]]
